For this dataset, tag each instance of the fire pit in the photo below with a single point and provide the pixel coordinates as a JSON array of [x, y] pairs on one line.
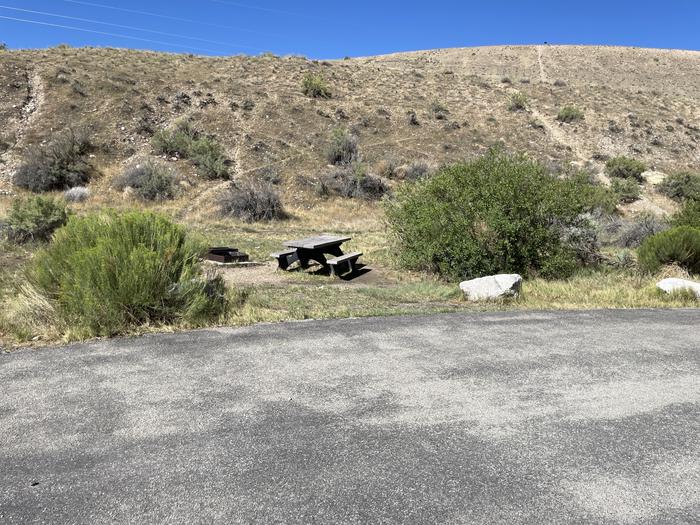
[[225, 255]]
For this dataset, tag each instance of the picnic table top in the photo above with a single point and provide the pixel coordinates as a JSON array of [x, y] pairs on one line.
[[313, 243]]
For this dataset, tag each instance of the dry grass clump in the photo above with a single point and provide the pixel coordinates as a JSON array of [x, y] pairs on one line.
[[518, 102], [315, 86], [77, 194], [569, 114]]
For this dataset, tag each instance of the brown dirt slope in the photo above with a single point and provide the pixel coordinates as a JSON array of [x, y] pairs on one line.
[[638, 102]]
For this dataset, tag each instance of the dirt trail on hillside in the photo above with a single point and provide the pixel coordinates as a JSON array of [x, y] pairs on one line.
[[28, 114], [543, 73]]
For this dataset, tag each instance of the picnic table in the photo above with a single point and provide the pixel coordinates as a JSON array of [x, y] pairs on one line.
[[315, 249]]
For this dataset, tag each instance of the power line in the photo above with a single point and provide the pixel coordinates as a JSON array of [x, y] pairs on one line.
[[258, 8], [166, 17], [36, 22], [128, 27]]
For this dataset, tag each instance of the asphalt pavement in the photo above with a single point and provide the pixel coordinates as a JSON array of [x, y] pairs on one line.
[[566, 417]]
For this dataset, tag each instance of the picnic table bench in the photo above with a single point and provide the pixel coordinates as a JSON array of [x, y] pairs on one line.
[[315, 249]]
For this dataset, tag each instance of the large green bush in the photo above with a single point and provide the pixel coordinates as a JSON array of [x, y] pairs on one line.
[[500, 213], [35, 218], [681, 186], [680, 245], [188, 143], [625, 168], [110, 272], [58, 165]]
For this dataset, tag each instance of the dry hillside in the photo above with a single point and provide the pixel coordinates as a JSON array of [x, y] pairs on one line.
[[637, 102]]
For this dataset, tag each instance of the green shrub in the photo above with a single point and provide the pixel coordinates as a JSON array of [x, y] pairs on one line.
[[252, 202], [499, 213], [343, 147], [518, 102], [569, 114], [150, 181], [680, 245], [58, 165], [688, 215], [186, 142], [625, 168], [35, 219], [209, 158], [315, 86], [627, 190], [176, 141], [681, 186], [107, 273], [599, 198]]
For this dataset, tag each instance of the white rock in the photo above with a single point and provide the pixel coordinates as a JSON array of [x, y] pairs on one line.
[[492, 287], [676, 285], [654, 177]]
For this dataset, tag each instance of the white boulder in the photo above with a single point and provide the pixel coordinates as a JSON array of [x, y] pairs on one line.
[[492, 287], [654, 177], [676, 285]]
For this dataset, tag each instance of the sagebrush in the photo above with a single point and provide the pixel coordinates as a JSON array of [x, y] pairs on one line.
[[343, 147], [252, 201], [150, 181], [352, 182], [681, 186], [185, 141], [108, 273], [35, 218], [60, 164], [625, 168]]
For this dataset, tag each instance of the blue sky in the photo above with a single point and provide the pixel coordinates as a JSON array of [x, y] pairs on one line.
[[351, 28]]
